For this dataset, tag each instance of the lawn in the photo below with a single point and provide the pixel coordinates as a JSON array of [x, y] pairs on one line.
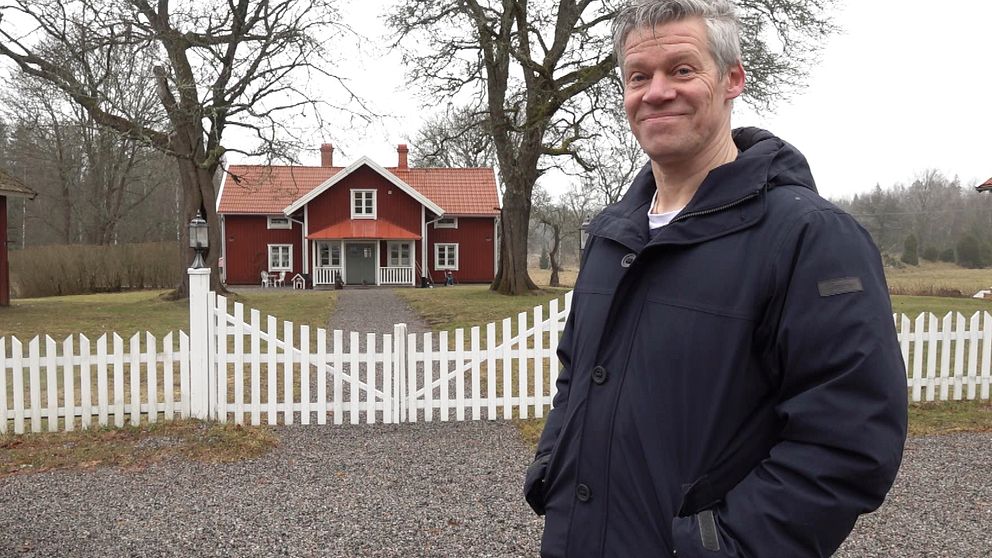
[[940, 279], [939, 305], [136, 311], [448, 308]]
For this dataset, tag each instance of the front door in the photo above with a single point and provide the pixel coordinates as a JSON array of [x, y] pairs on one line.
[[360, 263]]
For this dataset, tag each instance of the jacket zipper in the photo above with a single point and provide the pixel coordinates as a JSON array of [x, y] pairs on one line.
[[734, 203]]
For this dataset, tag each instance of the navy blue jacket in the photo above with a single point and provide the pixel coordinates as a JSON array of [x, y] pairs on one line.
[[732, 384]]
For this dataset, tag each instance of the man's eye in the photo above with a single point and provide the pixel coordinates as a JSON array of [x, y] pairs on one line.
[[683, 71]]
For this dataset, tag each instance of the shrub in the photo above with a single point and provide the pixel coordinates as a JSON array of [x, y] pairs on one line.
[[909, 252], [931, 254], [948, 255], [80, 269], [971, 253]]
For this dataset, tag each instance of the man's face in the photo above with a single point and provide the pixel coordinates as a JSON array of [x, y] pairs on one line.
[[676, 101]]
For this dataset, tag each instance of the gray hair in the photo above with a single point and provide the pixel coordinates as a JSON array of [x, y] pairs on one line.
[[722, 25]]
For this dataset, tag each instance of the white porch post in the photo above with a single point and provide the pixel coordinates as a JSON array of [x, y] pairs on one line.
[[423, 243], [199, 342]]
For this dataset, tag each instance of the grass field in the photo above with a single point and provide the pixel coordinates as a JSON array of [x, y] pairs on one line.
[[940, 279], [131, 446], [447, 308], [138, 311]]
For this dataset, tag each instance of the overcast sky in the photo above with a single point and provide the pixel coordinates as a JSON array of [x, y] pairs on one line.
[[905, 87]]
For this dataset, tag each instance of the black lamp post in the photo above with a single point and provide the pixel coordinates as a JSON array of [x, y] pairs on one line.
[[583, 236], [198, 239]]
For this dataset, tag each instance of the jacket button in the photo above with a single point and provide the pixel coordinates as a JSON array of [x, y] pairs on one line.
[[628, 259], [582, 492], [599, 375]]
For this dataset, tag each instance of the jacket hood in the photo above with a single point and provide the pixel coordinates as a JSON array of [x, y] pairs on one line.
[[764, 162], [787, 167]]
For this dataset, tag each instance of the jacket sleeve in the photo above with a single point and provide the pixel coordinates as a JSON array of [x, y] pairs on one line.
[[842, 403], [534, 481]]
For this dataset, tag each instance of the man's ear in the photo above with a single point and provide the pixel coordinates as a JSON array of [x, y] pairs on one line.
[[736, 78]]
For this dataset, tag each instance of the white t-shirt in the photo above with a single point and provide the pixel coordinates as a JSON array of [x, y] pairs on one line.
[[658, 220]]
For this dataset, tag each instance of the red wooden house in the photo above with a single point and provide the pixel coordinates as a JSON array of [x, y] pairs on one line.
[[364, 223], [9, 187]]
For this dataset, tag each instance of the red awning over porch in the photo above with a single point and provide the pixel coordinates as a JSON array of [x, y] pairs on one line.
[[370, 229]]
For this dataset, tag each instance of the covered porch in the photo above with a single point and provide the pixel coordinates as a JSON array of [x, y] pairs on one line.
[[377, 256], [360, 262]]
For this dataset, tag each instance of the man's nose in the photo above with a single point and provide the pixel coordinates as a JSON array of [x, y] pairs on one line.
[[660, 89]]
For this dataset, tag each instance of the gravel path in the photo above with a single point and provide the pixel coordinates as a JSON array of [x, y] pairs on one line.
[[424, 489], [940, 505]]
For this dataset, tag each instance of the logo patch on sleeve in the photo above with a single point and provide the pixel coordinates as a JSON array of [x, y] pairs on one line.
[[844, 285]]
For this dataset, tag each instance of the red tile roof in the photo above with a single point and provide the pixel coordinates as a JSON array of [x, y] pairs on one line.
[[270, 189], [364, 229], [987, 185], [11, 186]]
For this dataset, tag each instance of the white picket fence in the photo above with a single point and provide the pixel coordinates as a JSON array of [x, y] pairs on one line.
[[89, 384], [238, 368]]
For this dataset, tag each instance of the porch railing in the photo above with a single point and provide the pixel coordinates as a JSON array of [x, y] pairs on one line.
[[325, 275], [396, 276]]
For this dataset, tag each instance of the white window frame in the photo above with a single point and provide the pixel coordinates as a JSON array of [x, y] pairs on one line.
[[270, 225], [437, 256], [390, 262], [375, 207], [280, 268], [451, 224], [330, 254]]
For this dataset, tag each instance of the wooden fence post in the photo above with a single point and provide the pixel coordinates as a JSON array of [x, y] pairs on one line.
[[399, 373], [199, 344]]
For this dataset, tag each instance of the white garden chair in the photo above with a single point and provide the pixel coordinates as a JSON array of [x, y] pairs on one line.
[[267, 279], [280, 281]]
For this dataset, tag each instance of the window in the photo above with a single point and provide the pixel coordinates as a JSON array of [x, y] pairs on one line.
[[279, 223], [329, 255], [399, 254], [446, 223], [280, 257], [446, 256], [363, 204]]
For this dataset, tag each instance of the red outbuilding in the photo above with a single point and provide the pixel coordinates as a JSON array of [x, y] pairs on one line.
[[9, 187], [364, 223]]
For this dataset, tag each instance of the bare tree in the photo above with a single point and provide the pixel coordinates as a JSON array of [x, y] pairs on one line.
[[458, 138], [538, 68], [613, 158], [90, 177], [214, 65], [561, 219]]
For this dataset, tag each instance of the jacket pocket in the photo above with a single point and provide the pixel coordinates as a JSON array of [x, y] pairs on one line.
[[534, 484], [701, 536]]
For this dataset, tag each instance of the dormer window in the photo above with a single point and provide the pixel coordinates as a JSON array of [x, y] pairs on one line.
[[446, 223], [279, 222], [363, 204]]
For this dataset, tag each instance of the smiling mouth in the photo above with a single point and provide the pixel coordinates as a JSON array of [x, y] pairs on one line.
[[663, 116]]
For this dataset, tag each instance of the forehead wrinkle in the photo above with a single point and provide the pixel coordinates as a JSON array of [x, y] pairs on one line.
[[668, 43]]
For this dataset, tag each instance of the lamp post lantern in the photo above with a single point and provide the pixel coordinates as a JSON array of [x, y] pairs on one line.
[[583, 237], [198, 238]]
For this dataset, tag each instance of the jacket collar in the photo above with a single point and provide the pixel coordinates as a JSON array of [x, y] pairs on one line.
[[730, 198]]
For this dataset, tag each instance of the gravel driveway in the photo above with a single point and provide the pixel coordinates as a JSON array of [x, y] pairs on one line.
[[424, 489]]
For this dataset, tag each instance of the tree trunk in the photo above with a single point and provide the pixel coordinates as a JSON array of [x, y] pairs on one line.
[[199, 195], [512, 277], [553, 256]]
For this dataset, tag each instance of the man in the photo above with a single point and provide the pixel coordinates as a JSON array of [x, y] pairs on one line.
[[731, 383]]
